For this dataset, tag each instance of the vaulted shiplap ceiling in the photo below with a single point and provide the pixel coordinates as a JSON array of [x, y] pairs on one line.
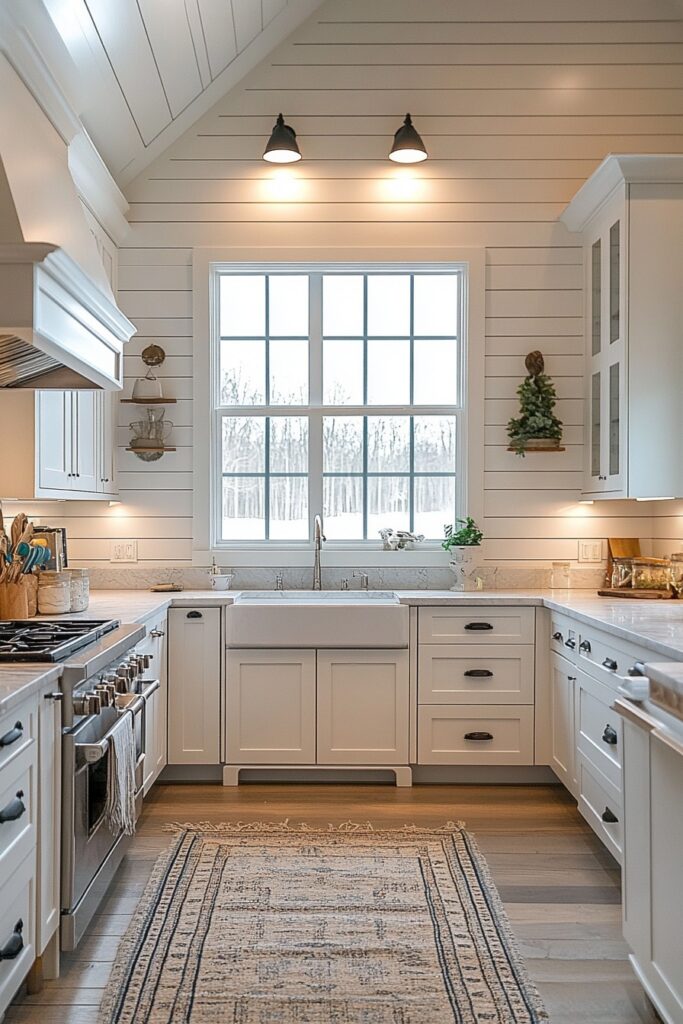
[[149, 68]]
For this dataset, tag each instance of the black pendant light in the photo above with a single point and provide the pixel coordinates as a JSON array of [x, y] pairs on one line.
[[282, 147], [408, 147]]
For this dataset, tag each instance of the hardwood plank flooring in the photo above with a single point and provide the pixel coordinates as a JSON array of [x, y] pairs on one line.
[[559, 885]]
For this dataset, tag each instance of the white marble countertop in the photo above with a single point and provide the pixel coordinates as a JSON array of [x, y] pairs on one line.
[[19, 682], [656, 625]]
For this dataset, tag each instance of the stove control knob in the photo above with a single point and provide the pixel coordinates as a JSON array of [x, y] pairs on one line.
[[147, 658], [94, 703]]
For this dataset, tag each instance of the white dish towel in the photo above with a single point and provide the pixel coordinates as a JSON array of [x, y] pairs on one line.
[[119, 811]]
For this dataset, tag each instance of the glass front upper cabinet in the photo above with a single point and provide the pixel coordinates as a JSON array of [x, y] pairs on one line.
[[614, 270]]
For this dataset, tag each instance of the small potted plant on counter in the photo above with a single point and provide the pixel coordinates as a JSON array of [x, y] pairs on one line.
[[461, 543], [536, 428]]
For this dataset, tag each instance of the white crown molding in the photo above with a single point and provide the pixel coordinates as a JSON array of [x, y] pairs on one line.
[[615, 170], [96, 186]]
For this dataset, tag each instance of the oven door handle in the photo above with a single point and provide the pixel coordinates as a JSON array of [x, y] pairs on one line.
[[91, 753], [135, 706], [151, 686]]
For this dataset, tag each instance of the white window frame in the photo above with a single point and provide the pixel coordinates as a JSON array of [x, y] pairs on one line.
[[209, 263]]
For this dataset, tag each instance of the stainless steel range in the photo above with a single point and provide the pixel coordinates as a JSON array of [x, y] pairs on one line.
[[103, 678], [100, 683]]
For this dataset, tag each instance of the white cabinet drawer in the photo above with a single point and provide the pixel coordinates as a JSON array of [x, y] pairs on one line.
[[465, 674], [600, 730], [18, 804], [476, 734], [17, 923], [476, 624], [600, 805], [607, 658], [564, 636], [18, 730]]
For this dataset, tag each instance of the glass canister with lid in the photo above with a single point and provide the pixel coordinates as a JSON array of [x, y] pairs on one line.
[[54, 593], [79, 587], [651, 573]]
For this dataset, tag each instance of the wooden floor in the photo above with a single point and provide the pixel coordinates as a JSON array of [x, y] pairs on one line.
[[559, 885]]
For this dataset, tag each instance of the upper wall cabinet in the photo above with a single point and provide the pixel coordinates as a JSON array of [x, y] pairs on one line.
[[59, 444], [630, 216]]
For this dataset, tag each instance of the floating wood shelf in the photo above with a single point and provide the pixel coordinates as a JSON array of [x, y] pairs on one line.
[[149, 401], [151, 448], [530, 451]]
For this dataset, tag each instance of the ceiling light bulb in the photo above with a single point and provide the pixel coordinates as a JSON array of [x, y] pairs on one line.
[[282, 147], [408, 147]]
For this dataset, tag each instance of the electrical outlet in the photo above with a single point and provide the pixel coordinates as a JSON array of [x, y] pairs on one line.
[[124, 551], [590, 550]]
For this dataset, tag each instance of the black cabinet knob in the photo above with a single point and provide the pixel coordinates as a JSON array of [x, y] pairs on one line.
[[478, 626], [558, 637], [570, 643], [610, 736], [637, 669], [14, 945], [12, 736], [610, 664], [14, 809], [194, 615], [479, 673], [478, 736], [609, 817], [585, 646]]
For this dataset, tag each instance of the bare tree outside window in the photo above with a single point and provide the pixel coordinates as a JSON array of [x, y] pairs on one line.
[[337, 391]]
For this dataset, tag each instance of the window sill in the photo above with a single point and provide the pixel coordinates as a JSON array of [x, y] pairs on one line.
[[330, 557]]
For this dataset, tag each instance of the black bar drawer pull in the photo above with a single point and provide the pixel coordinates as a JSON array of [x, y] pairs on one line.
[[478, 626], [479, 673], [611, 664], [585, 646], [194, 615], [12, 736], [610, 736], [571, 643], [558, 637], [14, 809], [14, 945], [478, 736], [609, 817]]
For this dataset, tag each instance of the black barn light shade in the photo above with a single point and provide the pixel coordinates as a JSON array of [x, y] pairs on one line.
[[282, 147], [408, 147]]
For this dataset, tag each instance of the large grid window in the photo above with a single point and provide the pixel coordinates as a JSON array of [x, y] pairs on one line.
[[339, 391]]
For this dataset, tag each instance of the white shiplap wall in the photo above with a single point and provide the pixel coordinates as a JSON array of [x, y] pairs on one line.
[[516, 113]]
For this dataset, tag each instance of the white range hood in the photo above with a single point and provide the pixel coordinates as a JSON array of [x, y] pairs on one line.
[[60, 326]]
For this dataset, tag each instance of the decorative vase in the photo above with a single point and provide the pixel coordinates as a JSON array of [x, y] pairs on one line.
[[461, 565]]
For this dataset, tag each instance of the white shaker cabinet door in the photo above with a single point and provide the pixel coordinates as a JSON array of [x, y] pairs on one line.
[[55, 440], [194, 685], [50, 818], [86, 426], [270, 707], [666, 824], [562, 721], [363, 707]]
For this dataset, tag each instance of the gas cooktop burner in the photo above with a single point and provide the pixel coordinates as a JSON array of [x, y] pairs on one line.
[[26, 640]]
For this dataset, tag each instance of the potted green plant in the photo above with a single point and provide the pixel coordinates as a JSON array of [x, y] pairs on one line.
[[461, 543], [536, 428]]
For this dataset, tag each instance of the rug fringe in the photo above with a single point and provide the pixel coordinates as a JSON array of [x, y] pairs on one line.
[[303, 828]]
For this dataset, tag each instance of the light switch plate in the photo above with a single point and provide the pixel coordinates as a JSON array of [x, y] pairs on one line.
[[124, 551], [590, 550]]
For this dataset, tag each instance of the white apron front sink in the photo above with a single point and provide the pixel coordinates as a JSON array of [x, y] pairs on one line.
[[317, 618]]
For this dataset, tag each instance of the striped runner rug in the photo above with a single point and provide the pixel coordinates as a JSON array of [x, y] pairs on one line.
[[277, 924]]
